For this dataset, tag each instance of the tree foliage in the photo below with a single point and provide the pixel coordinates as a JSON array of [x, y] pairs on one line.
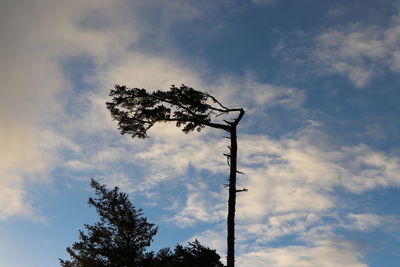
[[122, 235], [194, 255], [118, 239], [137, 110]]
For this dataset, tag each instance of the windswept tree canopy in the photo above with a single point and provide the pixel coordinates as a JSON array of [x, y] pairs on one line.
[[137, 110]]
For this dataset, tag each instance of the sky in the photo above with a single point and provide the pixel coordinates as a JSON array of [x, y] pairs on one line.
[[318, 146]]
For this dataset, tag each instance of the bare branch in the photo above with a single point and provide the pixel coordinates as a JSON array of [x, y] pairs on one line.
[[216, 101], [242, 190]]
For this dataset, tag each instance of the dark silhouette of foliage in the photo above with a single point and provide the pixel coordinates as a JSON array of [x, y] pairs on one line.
[[194, 255], [119, 239], [122, 236], [137, 110]]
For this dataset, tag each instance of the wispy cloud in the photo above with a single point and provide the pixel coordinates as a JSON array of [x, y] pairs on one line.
[[202, 205], [49, 123], [32, 80], [328, 254], [36, 94], [292, 186], [359, 51]]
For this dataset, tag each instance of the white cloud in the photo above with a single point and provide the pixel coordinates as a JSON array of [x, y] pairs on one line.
[[201, 205], [365, 222], [34, 33], [254, 96], [277, 226], [359, 51], [369, 169], [172, 155], [146, 71], [37, 37], [19, 158], [13, 197], [329, 254], [290, 179], [291, 184], [294, 174]]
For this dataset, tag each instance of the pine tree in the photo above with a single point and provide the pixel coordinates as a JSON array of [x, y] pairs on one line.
[[120, 237]]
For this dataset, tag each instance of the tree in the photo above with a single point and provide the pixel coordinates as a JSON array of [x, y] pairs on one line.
[[194, 255], [137, 110], [119, 239], [123, 234]]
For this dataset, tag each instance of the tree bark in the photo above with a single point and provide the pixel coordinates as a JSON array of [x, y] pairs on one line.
[[232, 199]]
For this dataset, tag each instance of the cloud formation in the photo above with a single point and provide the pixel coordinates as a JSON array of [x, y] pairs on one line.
[[292, 179], [360, 51], [328, 254], [32, 80], [39, 36], [292, 193]]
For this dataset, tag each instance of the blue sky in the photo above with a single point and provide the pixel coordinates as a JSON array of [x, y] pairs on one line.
[[318, 145]]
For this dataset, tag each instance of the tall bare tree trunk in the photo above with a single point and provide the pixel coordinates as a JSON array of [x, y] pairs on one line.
[[232, 198]]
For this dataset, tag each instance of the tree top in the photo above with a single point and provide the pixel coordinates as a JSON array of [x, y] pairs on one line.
[[137, 110]]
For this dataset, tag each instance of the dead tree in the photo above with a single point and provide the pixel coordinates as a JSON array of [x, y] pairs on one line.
[[137, 110]]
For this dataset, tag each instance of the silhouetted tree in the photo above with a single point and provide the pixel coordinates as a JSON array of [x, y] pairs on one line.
[[137, 110], [194, 255], [123, 234], [119, 239]]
